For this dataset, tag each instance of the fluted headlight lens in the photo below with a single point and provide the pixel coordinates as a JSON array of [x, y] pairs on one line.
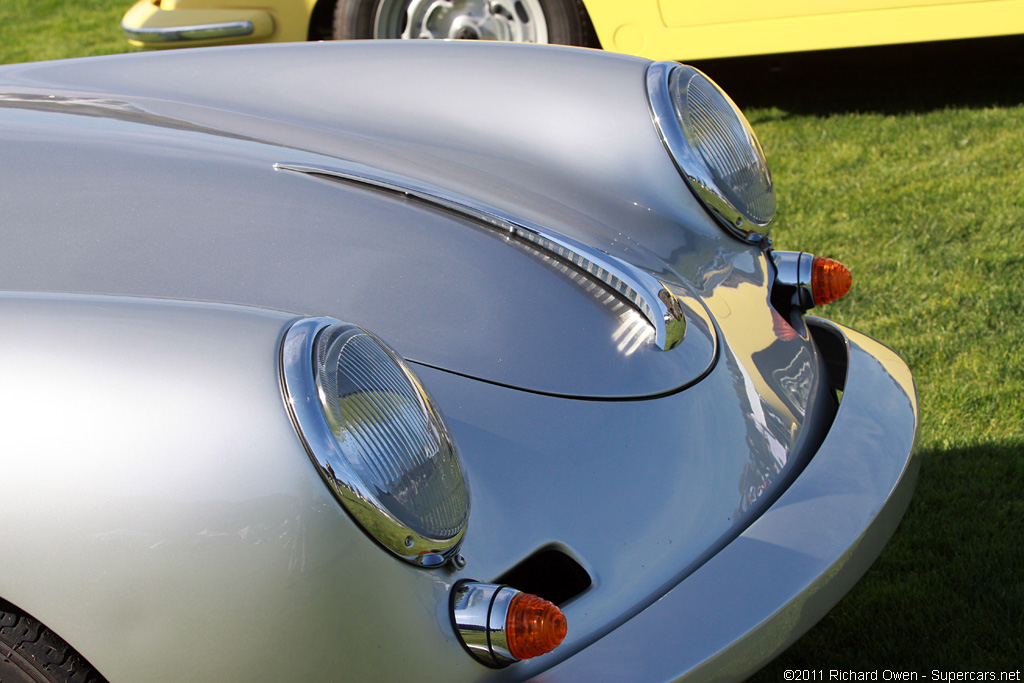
[[377, 439], [714, 147]]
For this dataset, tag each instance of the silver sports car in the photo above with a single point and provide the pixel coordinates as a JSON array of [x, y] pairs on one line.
[[417, 361]]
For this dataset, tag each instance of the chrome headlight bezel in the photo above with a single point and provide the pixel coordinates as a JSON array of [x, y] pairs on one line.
[[341, 456], [699, 158]]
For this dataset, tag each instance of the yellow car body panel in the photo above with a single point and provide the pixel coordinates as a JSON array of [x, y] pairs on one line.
[[656, 29], [684, 29]]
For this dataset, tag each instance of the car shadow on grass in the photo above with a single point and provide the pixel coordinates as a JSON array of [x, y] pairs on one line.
[[947, 592], [893, 79]]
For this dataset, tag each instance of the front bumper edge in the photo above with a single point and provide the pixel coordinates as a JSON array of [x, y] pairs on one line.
[[765, 589]]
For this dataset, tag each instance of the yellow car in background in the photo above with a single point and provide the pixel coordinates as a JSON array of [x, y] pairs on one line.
[[656, 29]]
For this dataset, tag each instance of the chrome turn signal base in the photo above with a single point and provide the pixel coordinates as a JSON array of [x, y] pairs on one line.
[[793, 270], [479, 611], [500, 625]]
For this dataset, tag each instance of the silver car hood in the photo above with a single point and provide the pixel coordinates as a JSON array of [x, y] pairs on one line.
[[189, 148]]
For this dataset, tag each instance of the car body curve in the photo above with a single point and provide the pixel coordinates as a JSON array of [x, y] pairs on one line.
[[164, 235]]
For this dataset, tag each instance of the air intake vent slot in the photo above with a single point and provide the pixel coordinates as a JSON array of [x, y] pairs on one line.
[[549, 573]]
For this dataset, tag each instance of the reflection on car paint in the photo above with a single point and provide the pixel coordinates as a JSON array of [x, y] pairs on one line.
[[770, 363]]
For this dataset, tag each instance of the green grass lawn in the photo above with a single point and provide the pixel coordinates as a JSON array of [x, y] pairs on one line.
[[907, 164], [33, 30]]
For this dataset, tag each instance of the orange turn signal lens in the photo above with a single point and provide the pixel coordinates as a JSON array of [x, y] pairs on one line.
[[533, 626], [830, 280]]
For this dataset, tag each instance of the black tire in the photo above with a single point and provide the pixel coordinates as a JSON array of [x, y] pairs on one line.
[[32, 653], [567, 21]]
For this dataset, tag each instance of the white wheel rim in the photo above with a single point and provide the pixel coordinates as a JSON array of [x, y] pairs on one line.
[[518, 21]]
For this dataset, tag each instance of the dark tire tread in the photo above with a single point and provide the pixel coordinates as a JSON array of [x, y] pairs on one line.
[[587, 36], [31, 652]]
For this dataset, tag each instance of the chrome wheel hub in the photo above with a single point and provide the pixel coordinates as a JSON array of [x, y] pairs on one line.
[[519, 21]]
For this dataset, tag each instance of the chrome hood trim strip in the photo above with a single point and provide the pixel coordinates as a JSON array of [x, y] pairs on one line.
[[640, 289]]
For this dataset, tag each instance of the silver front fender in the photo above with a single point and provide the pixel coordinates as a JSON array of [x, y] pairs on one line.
[[161, 514]]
